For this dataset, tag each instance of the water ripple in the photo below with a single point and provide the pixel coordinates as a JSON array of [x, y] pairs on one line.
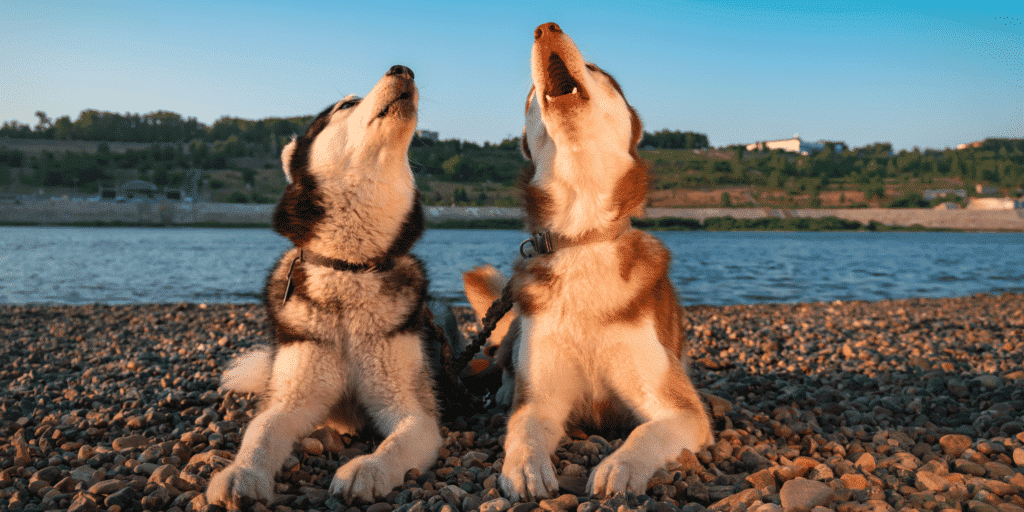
[[167, 265]]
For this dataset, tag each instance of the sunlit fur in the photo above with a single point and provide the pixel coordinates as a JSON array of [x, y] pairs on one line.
[[600, 341], [352, 348], [482, 285]]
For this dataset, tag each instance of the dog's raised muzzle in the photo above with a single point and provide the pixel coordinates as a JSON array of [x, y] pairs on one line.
[[401, 70]]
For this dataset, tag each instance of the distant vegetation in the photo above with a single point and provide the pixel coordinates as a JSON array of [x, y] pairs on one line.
[[156, 127], [237, 160], [710, 224], [668, 139], [837, 176]]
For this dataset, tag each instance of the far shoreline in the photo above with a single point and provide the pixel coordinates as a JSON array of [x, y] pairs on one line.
[[713, 224], [217, 215]]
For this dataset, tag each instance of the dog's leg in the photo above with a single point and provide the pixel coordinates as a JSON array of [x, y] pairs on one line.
[[508, 351], [545, 392], [395, 388], [305, 381], [662, 396], [533, 434]]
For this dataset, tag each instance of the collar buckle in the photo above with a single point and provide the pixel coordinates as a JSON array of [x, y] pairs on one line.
[[540, 242]]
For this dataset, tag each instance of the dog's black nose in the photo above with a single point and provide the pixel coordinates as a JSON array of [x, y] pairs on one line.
[[399, 69], [547, 27]]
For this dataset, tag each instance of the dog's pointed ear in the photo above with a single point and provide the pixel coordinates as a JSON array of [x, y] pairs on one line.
[[525, 147], [286, 160]]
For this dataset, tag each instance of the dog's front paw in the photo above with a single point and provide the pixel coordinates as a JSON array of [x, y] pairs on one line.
[[235, 482], [528, 477], [620, 472], [365, 477]]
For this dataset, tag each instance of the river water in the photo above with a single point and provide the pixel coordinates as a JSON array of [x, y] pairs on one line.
[[71, 265]]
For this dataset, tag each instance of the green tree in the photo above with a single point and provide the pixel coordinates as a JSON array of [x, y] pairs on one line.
[[11, 157], [874, 189], [44, 124], [249, 176], [453, 166], [510, 143], [103, 156], [62, 128], [161, 176], [908, 200], [674, 139], [955, 168]]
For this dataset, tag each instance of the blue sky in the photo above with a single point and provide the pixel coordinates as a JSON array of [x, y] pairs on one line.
[[926, 74]]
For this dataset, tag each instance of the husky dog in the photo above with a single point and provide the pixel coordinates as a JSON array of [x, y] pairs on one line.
[[599, 340], [353, 333]]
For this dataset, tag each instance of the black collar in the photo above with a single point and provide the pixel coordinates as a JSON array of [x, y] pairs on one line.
[[313, 258], [547, 242]]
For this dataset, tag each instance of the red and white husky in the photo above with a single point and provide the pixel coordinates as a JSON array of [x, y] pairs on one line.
[[599, 328]]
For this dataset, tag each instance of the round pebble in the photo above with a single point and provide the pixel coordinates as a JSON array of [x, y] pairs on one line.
[[802, 495], [955, 444], [312, 446]]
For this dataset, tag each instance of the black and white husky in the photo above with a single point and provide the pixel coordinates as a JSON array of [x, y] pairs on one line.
[[353, 333]]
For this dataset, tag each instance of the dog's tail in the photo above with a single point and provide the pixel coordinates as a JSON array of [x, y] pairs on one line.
[[249, 372], [483, 285]]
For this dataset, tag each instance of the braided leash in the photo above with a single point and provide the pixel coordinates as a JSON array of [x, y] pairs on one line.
[[498, 308], [459, 399]]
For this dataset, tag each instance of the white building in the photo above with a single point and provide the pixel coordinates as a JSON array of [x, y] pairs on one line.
[[794, 145], [995, 203], [427, 135]]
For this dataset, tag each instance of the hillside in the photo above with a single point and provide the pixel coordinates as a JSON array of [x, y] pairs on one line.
[[455, 172]]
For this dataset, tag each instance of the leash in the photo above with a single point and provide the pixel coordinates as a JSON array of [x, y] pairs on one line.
[[498, 308], [458, 400]]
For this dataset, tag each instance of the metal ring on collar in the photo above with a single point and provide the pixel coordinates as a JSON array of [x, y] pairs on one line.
[[541, 243], [522, 247]]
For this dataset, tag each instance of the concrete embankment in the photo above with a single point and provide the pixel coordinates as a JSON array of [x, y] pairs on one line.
[[971, 220], [175, 213]]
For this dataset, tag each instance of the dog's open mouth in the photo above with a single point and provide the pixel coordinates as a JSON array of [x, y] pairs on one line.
[[560, 81], [403, 98]]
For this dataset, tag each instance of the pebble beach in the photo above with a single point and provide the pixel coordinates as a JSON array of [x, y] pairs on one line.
[[894, 405]]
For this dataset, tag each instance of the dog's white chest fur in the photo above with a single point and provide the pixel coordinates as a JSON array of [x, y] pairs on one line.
[[593, 362], [589, 284]]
